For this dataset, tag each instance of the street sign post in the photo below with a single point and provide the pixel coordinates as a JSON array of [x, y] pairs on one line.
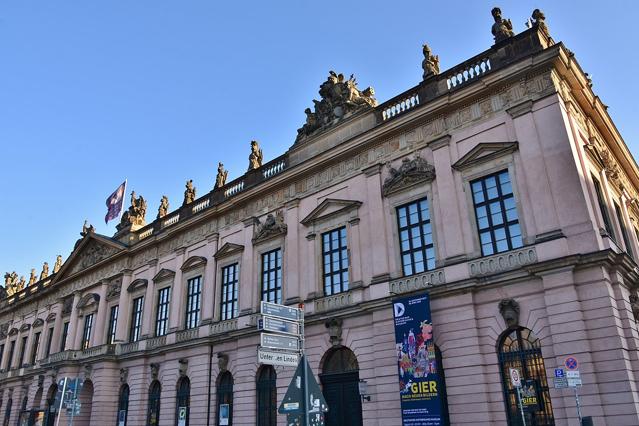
[[304, 397], [515, 380], [288, 359], [277, 325], [277, 341], [573, 379], [280, 311]]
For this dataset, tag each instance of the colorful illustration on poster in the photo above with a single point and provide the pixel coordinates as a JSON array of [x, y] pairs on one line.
[[529, 399], [417, 365]]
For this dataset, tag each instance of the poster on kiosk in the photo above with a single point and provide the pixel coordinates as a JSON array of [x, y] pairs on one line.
[[418, 375]]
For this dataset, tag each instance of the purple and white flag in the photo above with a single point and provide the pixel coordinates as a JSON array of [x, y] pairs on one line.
[[114, 203]]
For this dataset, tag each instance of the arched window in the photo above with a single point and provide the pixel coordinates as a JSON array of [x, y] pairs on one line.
[[340, 385], [183, 401], [519, 348], [266, 396], [225, 399], [7, 412], [50, 409], [441, 376], [153, 416], [123, 405]]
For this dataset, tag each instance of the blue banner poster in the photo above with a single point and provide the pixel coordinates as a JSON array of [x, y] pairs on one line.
[[418, 380]]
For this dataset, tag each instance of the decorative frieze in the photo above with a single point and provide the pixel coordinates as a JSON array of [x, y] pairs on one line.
[[502, 262], [410, 173]]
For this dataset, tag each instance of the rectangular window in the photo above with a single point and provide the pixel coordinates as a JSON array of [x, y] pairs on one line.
[[162, 313], [47, 351], [65, 333], [335, 255], [23, 350], [12, 349], [193, 297], [1, 352], [272, 276], [35, 348], [86, 334], [229, 292], [624, 231], [603, 209], [415, 237], [136, 319], [113, 324], [496, 214]]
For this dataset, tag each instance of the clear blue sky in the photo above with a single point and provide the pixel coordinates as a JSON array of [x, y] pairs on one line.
[[93, 92]]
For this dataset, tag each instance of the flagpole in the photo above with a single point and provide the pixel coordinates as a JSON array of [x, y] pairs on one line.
[[123, 198]]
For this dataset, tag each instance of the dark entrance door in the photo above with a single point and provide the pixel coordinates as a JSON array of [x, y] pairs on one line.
[[340, 385]]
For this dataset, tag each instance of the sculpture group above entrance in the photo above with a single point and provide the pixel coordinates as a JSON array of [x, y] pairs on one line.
[[340, 99]]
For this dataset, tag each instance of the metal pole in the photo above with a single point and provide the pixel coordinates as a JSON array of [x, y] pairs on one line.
[[64, 388], [306, 419], [521, 407], [578, 406]]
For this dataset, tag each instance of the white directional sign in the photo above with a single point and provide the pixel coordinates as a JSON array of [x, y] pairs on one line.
[[277, 325], [280, 311], [276, 341], [289, 359]]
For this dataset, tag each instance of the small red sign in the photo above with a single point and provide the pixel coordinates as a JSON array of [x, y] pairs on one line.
[[571, 363]]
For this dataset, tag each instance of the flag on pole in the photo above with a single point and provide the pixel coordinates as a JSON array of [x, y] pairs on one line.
[[115, 202]]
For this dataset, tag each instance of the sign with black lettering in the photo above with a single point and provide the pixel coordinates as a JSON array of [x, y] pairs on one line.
[[529, 398]]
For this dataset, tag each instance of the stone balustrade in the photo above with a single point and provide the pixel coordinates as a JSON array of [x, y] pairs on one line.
[[417, 282], [171, 221], [469, 72], [146, 233], [502, 262], [272, 169], [186, 335], [201, 206], [338, 301], [399, 106], [234, 189], [129, 347], [156, 342], [223, 326]]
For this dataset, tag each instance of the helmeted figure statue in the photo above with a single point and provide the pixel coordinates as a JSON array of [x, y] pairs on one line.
[[430, 64], [256, 156], [340, 98], [502, 28], [136, 213], [33, 277], [189, 192], [58, 264], [539, 20], [21, 284], [11, 283], [45, 271], [87, 228], [164, 207], [220, 179]]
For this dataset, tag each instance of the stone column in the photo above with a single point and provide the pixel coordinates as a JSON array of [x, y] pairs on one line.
[[378, 245], [57, 328], [176, 308], [356, 277], [210, 278], [124, 314], [73, 324], [148, 322], [292, 291], [99, 328], [248, 290]]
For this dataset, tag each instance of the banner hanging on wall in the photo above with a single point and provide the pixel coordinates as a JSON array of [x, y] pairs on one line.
[[418, 376]]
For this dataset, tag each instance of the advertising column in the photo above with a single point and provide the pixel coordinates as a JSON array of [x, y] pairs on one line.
[[418, 376]]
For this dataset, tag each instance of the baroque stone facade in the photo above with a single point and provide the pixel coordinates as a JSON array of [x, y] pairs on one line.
[[511, 201]]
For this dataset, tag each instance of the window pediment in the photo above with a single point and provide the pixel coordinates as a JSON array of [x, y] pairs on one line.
[[13, 331], [228, 249], [163, 274], [193, 262], [51, 317], [484, 152], [25, 327], [38, 323], [138, 284], [408, 174], [272, 226], [329, 208], [88, 300]]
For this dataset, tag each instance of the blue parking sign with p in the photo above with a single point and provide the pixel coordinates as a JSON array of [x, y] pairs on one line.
[[559, 372]]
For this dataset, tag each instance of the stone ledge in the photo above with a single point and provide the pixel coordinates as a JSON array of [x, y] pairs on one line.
[[417, 282], [502, 262]]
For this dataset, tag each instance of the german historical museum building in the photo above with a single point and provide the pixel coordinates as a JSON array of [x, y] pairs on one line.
[[498, 194]]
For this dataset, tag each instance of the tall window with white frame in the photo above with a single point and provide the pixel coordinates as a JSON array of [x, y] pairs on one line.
[[335, 254], [65, 334], [86, 335], [496, 213], [603, 209], [113, 324], [415, 237], [12, 348], [193, 302], [229, 304], [136, 319], [162, 311], [272, 276], [23, 350], [47, 350], [624, 230], [35, 347]]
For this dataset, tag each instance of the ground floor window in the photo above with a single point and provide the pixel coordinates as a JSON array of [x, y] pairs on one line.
[[267, 396], [225, 399], [519, 348], [123, 405], [183, 400], [340, 386], [153, 416]]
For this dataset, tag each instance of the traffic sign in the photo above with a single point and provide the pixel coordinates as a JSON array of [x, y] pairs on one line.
[[293, 402], [290, 359], [574, 374], [559, 372], [276, 341], [574, 382], [277, 325], [515, 377], [571, 363], [280, 311], [560, 382]]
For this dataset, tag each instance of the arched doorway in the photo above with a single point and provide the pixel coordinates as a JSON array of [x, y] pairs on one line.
[[86, 405], [7, 412], [50, 410], [519, 348], [266, 396], [153, 414], [225, 399], [183, 401], [340, 385], [123, 405]]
